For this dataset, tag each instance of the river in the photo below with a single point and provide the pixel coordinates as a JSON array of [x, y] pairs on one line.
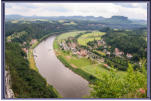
[[66, 82]]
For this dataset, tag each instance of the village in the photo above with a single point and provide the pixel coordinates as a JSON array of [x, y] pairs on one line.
[[71, 45], [32, 42]]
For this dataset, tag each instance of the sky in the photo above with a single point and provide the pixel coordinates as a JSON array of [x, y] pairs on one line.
[[130, 10]]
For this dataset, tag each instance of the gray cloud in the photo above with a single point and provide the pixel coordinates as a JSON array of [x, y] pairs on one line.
[[58, 9], [132, 5], [131, 10]]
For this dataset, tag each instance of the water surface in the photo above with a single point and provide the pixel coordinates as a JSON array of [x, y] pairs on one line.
[[66, 82]]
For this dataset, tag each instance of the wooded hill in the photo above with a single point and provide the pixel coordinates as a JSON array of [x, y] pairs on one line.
[[120, 22]]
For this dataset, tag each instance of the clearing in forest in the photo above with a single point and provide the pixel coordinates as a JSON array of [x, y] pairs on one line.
[[85, 38]]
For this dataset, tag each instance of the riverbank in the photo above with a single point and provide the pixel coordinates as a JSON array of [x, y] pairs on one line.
[[61, 56], [65, 81], [87, 68], [33, 66]]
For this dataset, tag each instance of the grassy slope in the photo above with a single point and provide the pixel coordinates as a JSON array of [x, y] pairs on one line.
[[26, 82], [69, 34], [31, 60], [84, 39], [86, 66], [16, 35]]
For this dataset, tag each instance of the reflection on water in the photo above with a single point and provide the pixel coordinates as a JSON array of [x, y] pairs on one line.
[[67, 83]]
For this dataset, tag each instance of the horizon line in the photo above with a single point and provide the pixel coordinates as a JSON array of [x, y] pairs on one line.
[[74, 15]]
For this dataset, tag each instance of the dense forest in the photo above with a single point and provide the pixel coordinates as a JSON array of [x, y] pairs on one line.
[[133, 42], [26, 83]]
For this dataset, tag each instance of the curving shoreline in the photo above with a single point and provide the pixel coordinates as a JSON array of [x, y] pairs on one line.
[[67, 83]]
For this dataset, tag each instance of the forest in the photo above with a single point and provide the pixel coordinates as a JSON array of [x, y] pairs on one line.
[[24, 79]]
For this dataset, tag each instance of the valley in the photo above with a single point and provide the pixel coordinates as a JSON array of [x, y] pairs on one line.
[[76, 57]]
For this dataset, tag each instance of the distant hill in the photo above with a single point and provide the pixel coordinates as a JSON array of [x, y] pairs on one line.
[[118, 22], [113, 19], [17, 17], [13, 17], [141, 22]]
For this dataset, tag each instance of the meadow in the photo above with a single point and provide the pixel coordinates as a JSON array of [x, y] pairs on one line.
[[16, 35], [82, 63], [106, 82], [85, 38], [69, 34]]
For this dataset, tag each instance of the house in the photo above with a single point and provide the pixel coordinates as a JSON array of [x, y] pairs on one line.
[[108, 53], [102, 60], [73, 45], [118, 52], [140, 63], [74, 49], [9, 40], [129, 55], [64, 46], [33, 41], [99, 43], [25, 50], [107, 66], [83, 52], [24, 43], [78, 53], [103, 42]]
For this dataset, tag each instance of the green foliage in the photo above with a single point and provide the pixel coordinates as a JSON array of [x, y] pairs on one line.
[[79, 71], [26, 83], [16, 35], [133, 85], [107, 87], [128, 41], [69, 34], [117, 62], [84, 39]]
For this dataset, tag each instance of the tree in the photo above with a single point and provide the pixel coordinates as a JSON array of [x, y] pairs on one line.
[[110, 85]]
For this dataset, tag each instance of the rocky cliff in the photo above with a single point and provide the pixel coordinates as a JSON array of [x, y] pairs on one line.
[[8, 91]]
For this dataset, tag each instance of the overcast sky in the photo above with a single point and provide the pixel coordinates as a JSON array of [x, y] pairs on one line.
[[130, 10]]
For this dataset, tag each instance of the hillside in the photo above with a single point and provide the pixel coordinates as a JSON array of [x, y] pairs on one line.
[[119, 22]]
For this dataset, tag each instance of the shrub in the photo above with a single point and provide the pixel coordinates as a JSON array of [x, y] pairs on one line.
[[133, 85]]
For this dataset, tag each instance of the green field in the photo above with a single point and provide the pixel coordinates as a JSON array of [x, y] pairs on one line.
[[84, 39], [69, 34], [31, 60], [16, 35], [86, 65], [71, 23], [100, 52], [30, 57]]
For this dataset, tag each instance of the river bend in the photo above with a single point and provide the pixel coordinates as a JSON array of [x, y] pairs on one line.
[[66, 82]]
